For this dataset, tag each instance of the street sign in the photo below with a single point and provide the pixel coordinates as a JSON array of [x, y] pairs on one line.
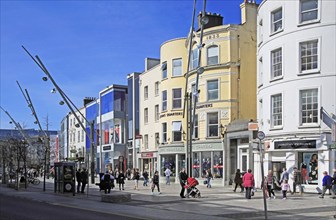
[[260, 135]]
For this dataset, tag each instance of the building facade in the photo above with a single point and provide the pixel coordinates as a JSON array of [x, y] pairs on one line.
[[296, 85]]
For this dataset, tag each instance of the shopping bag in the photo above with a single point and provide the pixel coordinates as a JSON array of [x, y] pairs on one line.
[[205, 182]]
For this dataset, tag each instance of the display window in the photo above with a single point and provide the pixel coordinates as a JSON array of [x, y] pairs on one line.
[[309, 167], [168, 161]]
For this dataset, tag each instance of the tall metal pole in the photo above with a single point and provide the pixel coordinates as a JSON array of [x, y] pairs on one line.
[[262, 174], [92, 152], [190, 134]]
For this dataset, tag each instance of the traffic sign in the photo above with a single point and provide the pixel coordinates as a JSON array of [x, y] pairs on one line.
[[260, 135]]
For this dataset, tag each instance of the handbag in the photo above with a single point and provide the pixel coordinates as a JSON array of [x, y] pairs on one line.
[[205, 182]]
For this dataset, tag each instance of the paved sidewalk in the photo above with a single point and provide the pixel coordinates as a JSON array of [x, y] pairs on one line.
[[216, 203]]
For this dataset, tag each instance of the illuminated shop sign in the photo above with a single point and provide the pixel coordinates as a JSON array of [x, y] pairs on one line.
[[295, 144]]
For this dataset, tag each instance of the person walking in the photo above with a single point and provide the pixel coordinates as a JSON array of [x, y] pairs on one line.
[[78, 179], [270, 184], [136, 177], [296, 180], [238, 181], [327, 184], [183, 179], [167, 173], [107, 180], [284, 175], [121, 180], [116, 175], [248, 180], [145, 176], [84, 179], [209, 178], [334, 184], [155, 182], [285, 188]]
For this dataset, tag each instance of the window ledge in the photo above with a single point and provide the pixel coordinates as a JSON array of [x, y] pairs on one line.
[[213, 137], [177, 76], [307, 72], [276, 32], [277, 78], [260, 43], [309, 126], [276, 128], [309, 22], [260, 85]]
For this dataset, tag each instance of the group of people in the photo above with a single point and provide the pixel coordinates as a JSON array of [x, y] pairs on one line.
[[107, 180], [82, 179]]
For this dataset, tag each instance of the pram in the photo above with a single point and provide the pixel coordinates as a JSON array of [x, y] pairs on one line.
[[191, 188]]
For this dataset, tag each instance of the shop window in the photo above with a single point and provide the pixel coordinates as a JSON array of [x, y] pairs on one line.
[[218, 164], [206, 162], [308, 165], [168, 161], [196, 165]]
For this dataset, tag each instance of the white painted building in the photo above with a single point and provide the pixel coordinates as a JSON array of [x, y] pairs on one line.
[[296, 78]]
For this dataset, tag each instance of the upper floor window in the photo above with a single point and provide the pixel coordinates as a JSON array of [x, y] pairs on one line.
[[156, 88], [308, 10], [194, 59], [176, 129], [177, 98], [78, 137], [212, 124], [195, 133], [213, 52], [177, 67], [260, 31], [276, 58], [164, 132], [309, 55], [164, 100], [157, 139], [261, 72], [157, 113], [212, 86], [146, 92], [276, 114], [146, 115], [309, 106], [70, 122], [164, 70], [277, 20], [146, 141], [83, 135], [194, 93]]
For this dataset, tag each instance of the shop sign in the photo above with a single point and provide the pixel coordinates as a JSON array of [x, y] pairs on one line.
[[295, 144], [207, 147], [147, 154], [106, 148], [171, 114], [171, 150]]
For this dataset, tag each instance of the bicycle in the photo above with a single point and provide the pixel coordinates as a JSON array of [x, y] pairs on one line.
[[34, 181]]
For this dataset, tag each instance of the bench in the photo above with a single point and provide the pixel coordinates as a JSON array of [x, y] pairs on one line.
[[116, 197]]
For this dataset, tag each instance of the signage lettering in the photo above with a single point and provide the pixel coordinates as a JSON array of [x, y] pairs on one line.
[[295, 144]]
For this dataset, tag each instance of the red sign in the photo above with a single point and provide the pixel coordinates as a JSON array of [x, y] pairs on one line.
[[218, 166], [147, 154], [196, 166], [138, 136]]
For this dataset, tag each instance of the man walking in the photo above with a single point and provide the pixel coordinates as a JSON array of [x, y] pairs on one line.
[[84, 179], [327, 184], [183, 179], [167, 173], [78, 179]]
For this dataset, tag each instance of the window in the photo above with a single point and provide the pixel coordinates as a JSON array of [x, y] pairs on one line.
[[177, 98], [260, 31], [308, 10], [309, 55], [261, 80], [194, 59], [212, 86], [156, 88], [277, 20], [164, 132], [309, 106], [213, 124], [212, 55], [177, 67], [157, 140], [176, 129], [146, 141], [78, 136], [195, 133], [260, 113], [276, 116], [194, 93], [82, 136], [276, 59], [157, 113], [74, 137], [146, 92], [70, 122], [164, 100], [146, 115], [164, 70]]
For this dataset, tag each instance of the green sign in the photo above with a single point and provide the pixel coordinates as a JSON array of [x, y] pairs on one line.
[[332, 146]]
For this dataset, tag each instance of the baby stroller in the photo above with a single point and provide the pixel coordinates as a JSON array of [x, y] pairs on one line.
[[191, 188]]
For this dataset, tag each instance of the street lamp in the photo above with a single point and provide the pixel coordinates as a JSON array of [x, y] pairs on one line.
[[71, 105]]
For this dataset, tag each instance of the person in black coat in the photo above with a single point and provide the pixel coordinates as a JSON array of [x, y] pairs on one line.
[[238, 181], [78, 178], [84, 179], [155, 182], [183, 180], [121, 180], [107, 180]]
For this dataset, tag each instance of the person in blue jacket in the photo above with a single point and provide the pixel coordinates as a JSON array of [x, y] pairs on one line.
[[327, 184]]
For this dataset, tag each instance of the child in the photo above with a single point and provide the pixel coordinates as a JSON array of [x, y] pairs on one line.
[[285, 187]]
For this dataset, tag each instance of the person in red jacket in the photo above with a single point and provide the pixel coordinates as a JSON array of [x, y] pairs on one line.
[[248, 180]]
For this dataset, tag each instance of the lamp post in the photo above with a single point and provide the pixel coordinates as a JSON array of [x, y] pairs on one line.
[[71, 105]]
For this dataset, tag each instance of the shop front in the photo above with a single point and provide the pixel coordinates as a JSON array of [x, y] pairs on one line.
[[148, 162], [172, 157]]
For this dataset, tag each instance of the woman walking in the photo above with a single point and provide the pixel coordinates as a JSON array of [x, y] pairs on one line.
[[248, 180], [270, 184], [238, 181]]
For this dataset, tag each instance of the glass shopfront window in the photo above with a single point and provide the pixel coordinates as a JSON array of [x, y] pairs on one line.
[[196, 165], [309, 167], [168, 161], [218, 164], [206, 162]]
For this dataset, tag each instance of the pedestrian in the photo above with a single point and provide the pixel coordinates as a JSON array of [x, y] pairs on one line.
[[270, 184], [296, 180], [327, 184], [136, 177], [167, 173], [284, 175], [84, 179], [121, 180], [116, 175], [78, 179], [145, 176], [264, 186], [285, 188], [107, 180], [238, 181], [155, 182], [334, 183], [209, 178], [248, 180], [183, 179]]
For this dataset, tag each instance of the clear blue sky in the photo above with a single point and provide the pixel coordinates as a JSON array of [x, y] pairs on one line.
[[86, 46]]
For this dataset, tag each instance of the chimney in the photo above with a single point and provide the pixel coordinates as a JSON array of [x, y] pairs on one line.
[[245, 8], [214, 20]]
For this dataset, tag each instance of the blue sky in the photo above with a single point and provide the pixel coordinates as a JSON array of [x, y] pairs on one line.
[[86, 46]]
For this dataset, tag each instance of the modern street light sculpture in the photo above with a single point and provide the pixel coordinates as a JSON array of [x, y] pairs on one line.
[[46, 136], [71, 106]]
